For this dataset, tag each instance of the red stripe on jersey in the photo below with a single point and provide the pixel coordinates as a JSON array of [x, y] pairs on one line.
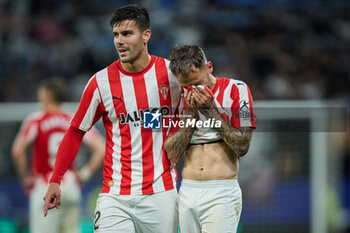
[[108, 161], [161, 71], [49, 129], [125, 154], [235, 119], [221, 84], [146, 137], [84, 103], [252, 117]]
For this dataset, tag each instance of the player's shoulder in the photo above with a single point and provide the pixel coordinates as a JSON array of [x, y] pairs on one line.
[[159, 60], [65, 114], [61, 114], [233, 81], [231, 84], [238, 83], [35, 116], [97, 77], [103, 73]]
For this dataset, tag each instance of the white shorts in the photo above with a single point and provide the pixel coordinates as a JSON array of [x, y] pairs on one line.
[[209, 206], [66, 219], [155, 213]]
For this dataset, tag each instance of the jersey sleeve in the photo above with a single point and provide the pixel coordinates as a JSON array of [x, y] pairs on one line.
[[29, 129], [89, 110], [241, 102]]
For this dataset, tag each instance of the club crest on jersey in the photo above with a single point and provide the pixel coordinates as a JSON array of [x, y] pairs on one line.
[[164, 90]]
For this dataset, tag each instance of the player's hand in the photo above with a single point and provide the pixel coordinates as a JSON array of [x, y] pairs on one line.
[[28, 184], [190, 108], [52, 197], [203, 99], [84, 174]]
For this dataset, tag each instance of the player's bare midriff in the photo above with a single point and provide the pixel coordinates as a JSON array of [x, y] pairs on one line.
[[212, 161]]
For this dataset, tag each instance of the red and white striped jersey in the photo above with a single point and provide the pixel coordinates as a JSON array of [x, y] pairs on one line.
[[135, 160], [234, 102], [45, 130]]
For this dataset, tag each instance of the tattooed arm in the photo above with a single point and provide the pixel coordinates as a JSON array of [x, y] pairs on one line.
[[176, 144], [238, 139]]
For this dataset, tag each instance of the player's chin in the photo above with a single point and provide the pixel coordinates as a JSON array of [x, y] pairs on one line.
[[124, 59]]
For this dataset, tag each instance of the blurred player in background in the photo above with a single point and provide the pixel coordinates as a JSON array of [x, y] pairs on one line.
[[210, 197], [138, 190], [44, 131]]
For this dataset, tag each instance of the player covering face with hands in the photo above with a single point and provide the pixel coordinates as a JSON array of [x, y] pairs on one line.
[[210, 198]]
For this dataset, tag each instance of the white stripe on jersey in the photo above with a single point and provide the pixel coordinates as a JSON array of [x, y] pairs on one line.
[[174, 86], [218, 105], [33, 130], [86, 123], [227, 100], [136, 139], [216, 93], [243, 96], [105, 89], [157, 136]]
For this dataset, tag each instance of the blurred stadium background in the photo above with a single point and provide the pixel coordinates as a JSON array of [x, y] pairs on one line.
[[294, 55]]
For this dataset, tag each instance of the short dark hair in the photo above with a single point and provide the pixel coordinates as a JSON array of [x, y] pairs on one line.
[[184, 57], [56, 87], [131, 12]]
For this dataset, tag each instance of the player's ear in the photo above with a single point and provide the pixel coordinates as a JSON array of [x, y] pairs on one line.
[[146, 36], [210, 67]]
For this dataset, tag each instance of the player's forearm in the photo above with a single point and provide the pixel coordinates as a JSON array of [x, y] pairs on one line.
[[95, 161], [238, 139], [176, 144], [20, 163], [19, 157], [89, 169]]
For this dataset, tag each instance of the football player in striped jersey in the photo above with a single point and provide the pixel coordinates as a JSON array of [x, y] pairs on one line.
[[43, 132], [209, 197]]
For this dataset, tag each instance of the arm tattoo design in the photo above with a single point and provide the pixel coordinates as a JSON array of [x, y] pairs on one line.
[[176, 144], [238, 139]]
